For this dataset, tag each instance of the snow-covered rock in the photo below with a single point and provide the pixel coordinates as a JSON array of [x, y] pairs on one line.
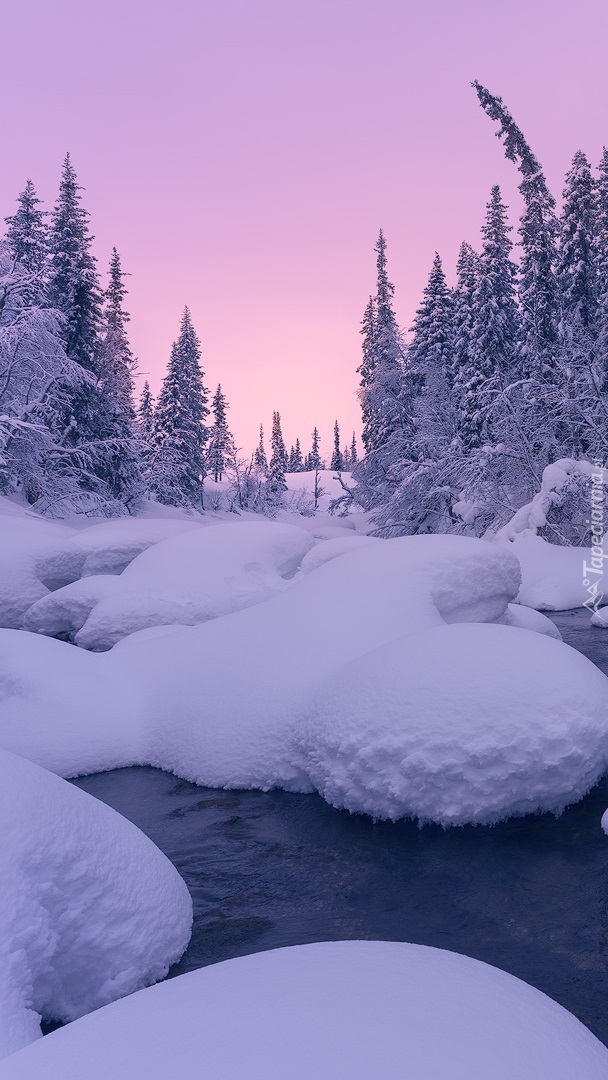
[[66, 610], [91, 909], [34, 558], [460, 724], [333, 548], [356, 1009], [111, 545], [201, 574], [529, 619], [553, 577]]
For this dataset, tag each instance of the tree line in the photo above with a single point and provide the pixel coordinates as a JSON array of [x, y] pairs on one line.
[[71, 436], [503, 373]]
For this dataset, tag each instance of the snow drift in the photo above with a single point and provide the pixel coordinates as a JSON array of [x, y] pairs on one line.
[[356, 1009], [91, 909]]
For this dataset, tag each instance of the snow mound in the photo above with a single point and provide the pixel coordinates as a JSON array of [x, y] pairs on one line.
[[110, 546], [552, 576], [92, 910], [332, 549], [529, 619], [460, 724], [65, 711], [356, 1009], [34, 558], [198, 575], [67, 609], [600, 617]]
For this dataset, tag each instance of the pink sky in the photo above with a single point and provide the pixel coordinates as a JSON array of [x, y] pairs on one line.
[[242, 155]]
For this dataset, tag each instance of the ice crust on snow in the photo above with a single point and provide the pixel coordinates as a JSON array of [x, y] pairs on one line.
[[356, 1009], [198, 575], [91, 909]]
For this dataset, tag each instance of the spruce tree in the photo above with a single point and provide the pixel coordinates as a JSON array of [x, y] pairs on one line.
[[314, 457], [73, 283], [577, 257], [496, 316], [145, 414], [179, 420], [259, 458], [538, 230], [366, 371], [27, 233], [221, 443], [278, 462], [601, 247], [337, 461], [120, 464], [467, 378], [431, 352], [353, 456], [296, 463], [382, 365]]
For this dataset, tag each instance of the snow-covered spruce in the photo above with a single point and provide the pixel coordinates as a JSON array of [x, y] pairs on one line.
[[355, 1009], [91, 909]]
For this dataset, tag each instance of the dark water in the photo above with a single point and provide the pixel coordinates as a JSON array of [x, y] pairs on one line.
[[266, 870]]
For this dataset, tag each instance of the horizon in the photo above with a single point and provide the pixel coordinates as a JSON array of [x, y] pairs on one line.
[[257, 201]]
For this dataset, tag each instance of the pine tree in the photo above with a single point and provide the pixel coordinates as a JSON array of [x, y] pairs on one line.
[[259, 458], [577, 258], [145, 414], [73, 285], [468, 380], [353, 456], [179, 419], [601, 247], [538, 229], [221, 443], [337, 461], [27, 232], [295, 458], [382, 365], [314, 457], [278, 462], [120, 464]]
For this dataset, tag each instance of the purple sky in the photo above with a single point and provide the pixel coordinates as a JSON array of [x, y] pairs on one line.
[[242, 155]]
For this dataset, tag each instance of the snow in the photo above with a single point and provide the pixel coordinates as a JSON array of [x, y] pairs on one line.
[[529, 619], [332, 549], [460, 724], [356, 1009], [600, 617], [200, 574], [111, 545], [91, 909], [552, 576], [66, 610], [347, 679], [34, 558]]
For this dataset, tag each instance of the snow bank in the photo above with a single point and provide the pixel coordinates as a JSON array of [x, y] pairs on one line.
[[332, 549], [552, 576], [348, 681], [356, 1009], [66, 610], [34, 557], [91, 909], [460, 724], [529, 619], [198, 575], [110, 546]]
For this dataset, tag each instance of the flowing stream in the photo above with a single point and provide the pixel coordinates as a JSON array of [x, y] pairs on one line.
[[273, 869]]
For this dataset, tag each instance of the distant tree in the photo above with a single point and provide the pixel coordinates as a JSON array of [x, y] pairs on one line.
[[179, 420], [337, 461], [382, 363], [145, 413], [259, 458], [278, 462], [221, 444], [296, 463], [353, 456], [314, 457]]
